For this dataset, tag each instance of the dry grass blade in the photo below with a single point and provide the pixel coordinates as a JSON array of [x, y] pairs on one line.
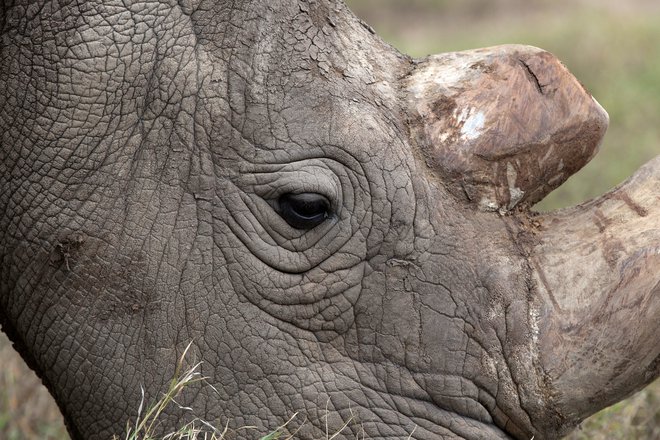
[[146, 426]]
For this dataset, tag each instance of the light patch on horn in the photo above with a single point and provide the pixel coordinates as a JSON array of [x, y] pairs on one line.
[[502, 126], [473, 125], [515, 193]]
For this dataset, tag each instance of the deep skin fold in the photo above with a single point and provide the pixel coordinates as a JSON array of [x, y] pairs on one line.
[[140, 148]]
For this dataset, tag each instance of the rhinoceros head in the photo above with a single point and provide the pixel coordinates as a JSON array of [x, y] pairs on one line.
[[340, 230]]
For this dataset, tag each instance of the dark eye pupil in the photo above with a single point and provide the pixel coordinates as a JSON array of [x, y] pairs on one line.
[[305, 210], [307, 206]]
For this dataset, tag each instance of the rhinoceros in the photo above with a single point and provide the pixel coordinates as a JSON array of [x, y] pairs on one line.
[[337, 229]]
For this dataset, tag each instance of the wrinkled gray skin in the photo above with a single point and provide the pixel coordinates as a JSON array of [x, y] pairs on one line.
[[143, 148]]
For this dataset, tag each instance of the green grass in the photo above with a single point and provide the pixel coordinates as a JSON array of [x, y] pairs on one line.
[[637, 418]]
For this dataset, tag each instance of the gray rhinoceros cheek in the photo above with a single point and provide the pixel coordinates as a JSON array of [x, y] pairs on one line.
[[443, 317]]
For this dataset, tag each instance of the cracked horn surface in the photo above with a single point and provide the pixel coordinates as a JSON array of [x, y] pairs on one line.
[[505, 125]]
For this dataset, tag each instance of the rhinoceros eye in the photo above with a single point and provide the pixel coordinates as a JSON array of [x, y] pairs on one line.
[[304, 210]]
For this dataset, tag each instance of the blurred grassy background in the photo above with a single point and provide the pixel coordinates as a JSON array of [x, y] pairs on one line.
[[26, 409], [613, 47]]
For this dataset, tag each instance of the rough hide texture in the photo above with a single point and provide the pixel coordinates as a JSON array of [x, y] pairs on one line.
[[338, 229]]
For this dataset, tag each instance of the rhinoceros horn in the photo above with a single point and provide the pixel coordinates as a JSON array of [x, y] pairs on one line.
[[503, 127]]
